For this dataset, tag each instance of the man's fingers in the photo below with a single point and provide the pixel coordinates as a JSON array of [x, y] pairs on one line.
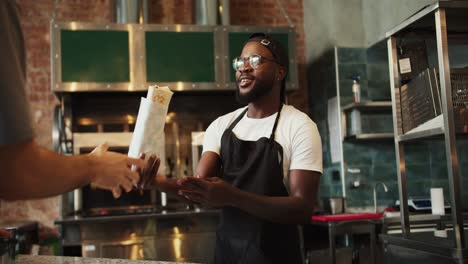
[[198, 182], [193, 196], [192, 193], [137, 162], [103, 147], [211, 179], [187, 186], [154, 168], [149, 177], [116, 192], [133, 176], [127, 186]]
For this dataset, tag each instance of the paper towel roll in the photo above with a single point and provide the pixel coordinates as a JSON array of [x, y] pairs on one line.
[[437, 201]]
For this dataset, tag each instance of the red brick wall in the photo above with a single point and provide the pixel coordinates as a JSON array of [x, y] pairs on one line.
[[171, 11], [35, 19]]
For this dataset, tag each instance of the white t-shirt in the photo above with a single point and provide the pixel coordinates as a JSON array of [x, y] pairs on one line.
[[296, 133]]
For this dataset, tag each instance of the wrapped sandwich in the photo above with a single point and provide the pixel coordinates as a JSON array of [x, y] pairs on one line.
[[148, 136]]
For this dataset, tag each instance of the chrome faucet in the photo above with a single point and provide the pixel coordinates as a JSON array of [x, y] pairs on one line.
[[375, 193]]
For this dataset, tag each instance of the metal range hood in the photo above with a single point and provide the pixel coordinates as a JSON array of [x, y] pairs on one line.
[[130, 55]]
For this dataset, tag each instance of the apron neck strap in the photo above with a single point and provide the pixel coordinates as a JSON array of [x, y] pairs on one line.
[[272, 137], [233, 124]]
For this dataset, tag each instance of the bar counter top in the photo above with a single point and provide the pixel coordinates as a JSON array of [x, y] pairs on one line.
[[158, 215], [23, 259]]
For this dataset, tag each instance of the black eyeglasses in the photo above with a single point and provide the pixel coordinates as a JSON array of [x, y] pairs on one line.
[[254, 61]]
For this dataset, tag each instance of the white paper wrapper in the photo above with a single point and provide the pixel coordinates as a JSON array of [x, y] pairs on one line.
[[148, 136]]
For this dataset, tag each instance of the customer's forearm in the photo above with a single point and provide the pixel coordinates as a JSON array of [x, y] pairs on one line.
[[30, 171]]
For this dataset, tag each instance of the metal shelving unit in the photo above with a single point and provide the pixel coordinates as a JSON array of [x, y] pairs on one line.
[[366, 106], [447, 21], [372, 105], [370, 136]]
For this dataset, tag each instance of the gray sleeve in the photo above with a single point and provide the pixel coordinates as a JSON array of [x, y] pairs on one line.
[[15, 120]]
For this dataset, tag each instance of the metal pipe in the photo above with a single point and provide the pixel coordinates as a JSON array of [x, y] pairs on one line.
[[397, 130], [135, 11], [224, 12], [375, 194], [449, 128], [206, 12]]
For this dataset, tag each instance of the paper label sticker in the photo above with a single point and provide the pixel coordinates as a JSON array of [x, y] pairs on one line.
[[405, 65], [89, 248]]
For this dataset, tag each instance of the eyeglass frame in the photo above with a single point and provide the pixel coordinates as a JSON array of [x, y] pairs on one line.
[[261, 61]]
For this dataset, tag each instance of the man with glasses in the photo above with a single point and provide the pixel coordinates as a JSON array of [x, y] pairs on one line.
[[261, 164]]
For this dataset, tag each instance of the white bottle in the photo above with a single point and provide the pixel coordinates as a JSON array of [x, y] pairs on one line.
[[356, 90], [355, 119]]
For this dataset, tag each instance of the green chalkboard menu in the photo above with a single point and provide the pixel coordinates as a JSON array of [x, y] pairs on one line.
[[95, 56], [180, 56], [237, 40]]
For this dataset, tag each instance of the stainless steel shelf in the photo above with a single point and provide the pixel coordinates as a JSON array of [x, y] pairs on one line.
[[370, 105], [442, 18], [422, 134], [370, 136], [425, 15]]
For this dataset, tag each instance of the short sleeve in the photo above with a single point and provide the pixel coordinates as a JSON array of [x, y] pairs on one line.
[[306, 148], [15, 123], [212, 138]]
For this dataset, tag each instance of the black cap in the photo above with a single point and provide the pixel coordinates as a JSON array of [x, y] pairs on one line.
[[275, 47]]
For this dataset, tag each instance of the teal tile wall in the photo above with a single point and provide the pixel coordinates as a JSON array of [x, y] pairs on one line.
[[323, 74], [425, 160]]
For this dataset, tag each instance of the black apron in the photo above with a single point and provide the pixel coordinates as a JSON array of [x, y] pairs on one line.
[[256, 167]]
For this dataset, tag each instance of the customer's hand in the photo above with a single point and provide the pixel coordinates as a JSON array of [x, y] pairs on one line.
[[112, 170]]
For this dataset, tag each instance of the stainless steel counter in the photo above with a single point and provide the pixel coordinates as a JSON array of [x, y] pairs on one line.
[[159, 215], [77, 260], [169, 236], [423, 247]]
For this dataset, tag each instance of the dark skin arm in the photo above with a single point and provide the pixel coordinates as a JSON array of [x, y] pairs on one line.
[[209, 165], [213, 191]]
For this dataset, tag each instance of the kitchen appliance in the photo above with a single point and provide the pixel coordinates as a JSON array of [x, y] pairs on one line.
[[419, 204], [23, 235], [7, 250], [85, 120], [421, 99], [95, 202], [333, 205]]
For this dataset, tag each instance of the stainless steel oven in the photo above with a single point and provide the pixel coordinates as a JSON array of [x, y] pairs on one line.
[[82, 122], [89, 201]]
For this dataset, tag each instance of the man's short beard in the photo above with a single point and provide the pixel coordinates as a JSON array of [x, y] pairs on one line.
[[261, 88]]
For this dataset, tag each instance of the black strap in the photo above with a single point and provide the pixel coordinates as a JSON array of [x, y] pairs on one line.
[[272, 137], [233, 124]]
